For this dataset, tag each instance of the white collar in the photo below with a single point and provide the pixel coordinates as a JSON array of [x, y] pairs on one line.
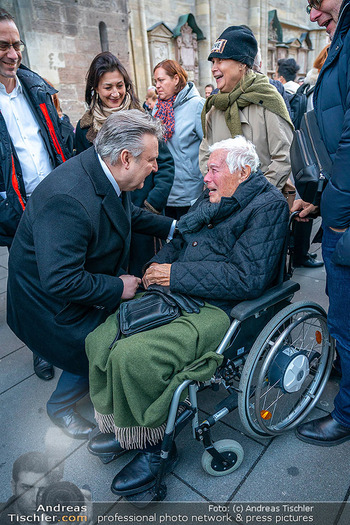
[[109, 175]]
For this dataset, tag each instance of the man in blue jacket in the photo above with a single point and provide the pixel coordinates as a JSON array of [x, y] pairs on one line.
[[332, 107], [31, 144]]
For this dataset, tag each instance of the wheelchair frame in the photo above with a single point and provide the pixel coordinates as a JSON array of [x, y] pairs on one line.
[[277, 363]]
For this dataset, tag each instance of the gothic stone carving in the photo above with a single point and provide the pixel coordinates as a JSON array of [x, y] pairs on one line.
[[186, 52]]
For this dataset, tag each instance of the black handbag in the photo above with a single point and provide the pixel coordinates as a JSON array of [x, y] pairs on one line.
[[158, 306], [310, 161]]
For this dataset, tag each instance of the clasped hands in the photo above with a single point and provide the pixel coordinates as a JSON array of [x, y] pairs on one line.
[[155, 274]]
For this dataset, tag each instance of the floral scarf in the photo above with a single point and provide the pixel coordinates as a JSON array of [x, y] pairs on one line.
[[165, 112]]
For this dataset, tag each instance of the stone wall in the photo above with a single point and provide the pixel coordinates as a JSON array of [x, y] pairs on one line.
[[62, 38], [213, 17]]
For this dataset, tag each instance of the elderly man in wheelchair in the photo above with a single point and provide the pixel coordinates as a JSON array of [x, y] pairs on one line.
[[227, 249]]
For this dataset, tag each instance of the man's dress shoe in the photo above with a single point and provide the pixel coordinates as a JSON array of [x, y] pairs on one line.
[[141, 473], [106, 447], [74, 425], [325, 432], [42, 368], [308, 262]]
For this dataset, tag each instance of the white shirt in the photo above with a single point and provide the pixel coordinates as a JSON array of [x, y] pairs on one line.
[[25, 134], [109, 175]]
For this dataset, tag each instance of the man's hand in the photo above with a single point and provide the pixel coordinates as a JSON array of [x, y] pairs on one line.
[[131, 284], [157, 274], [305, 209]]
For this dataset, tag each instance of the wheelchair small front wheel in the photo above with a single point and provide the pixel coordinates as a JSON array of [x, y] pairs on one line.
[[286, 370], [233, 454]]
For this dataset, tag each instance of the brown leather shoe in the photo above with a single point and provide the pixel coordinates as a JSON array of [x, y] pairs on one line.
[[324, 432]]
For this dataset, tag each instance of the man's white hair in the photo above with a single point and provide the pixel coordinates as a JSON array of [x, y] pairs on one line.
[[240, 153]]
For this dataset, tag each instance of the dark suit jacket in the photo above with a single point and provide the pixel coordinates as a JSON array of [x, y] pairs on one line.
[[71, 243]]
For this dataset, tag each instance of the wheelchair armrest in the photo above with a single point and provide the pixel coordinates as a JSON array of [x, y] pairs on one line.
[[272, 296]]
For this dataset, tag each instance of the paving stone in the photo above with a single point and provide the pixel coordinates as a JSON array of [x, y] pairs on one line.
[[8, 341], [3, 302], [291, 470], [345, 515], [3, 285], [3, 272], [15, 367], [4, 260]]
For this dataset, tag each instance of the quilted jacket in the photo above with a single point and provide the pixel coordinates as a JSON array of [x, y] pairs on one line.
[[234, 256]]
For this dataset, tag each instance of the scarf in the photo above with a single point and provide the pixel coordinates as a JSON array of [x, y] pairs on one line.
[[165, 112], [207, 212], [253, 89], [100, 116]]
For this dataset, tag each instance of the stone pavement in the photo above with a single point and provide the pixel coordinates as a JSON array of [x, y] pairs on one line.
[[281, 469]]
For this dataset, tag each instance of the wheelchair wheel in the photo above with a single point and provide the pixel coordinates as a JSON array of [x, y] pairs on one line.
[[231, 450], [286, 370]]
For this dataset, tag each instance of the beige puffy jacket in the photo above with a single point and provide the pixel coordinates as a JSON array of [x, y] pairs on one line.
[[270, 133]]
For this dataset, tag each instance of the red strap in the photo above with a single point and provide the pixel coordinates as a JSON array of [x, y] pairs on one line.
[[15, 183], [52, 130]]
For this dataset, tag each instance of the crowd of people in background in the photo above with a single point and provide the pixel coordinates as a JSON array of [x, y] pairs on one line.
[[92, 206]]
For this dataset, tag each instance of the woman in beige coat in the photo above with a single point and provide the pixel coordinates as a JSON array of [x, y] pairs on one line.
[[246, 104]]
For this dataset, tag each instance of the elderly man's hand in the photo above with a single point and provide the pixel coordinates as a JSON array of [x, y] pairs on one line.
[[305, 209], [131, 284], [157, 274]]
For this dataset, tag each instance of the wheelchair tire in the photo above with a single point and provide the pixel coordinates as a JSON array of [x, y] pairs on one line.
[[231, 449], [286, 370]]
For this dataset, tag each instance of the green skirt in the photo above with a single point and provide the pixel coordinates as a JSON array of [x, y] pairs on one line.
[[132, 384]]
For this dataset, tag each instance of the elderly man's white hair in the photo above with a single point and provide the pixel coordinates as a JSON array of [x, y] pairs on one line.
[[240, 153]]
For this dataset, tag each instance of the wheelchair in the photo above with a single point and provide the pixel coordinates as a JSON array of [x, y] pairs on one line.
[[277, 360]]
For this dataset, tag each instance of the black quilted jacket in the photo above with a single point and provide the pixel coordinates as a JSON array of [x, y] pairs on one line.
[[236, 255]]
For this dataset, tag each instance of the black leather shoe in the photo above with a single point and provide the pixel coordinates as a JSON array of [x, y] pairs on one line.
[[325, 432], [141, 473], [309, 262], [106, 447], [313, 255], [74, 425], [42, 368]]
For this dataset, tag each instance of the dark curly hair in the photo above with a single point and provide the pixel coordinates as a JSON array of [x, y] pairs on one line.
[[103, 63]]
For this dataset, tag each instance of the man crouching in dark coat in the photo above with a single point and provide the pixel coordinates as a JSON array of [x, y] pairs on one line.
[[67, 261]]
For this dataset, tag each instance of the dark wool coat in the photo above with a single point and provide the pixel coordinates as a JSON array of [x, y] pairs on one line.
[[332, 108], [72, 242], [235, 255], [155, 191], [38, 95]]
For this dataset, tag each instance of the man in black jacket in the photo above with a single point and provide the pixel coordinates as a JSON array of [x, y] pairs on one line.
[[30, 140], [68, 259]]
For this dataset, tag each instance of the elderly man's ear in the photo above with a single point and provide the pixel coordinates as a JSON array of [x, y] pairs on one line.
[[245, 172]]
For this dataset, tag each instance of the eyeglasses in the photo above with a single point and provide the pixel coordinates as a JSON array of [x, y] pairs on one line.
[[17, 46], [315, 4]]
